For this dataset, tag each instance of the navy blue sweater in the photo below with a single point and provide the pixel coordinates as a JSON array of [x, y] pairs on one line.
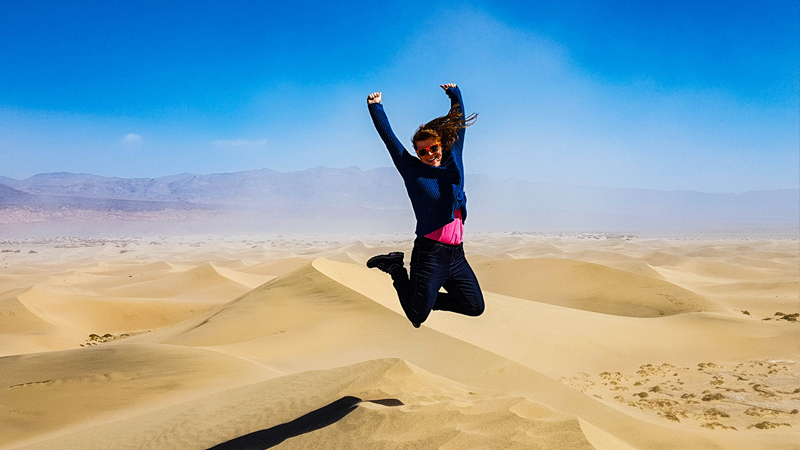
[[435, 192]]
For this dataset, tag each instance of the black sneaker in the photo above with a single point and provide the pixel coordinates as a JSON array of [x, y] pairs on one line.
[[416, 325], [386, 263]]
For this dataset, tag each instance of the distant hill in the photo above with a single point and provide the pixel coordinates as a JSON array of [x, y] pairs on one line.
[[376, 199], [257, 188], [9, 196]]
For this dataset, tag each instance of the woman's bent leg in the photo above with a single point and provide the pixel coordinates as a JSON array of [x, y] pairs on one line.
[[464, 294], [429, 270]]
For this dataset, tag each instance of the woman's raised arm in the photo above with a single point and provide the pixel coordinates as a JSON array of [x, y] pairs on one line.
[[454, 93], [381, 123]]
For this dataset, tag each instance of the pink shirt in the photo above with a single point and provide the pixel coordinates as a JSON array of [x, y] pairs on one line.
[[452, 233]]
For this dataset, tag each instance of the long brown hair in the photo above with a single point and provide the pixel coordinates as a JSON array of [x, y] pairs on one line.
[[444, 128]]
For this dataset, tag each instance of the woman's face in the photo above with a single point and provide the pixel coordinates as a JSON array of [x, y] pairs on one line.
[[430, 152]]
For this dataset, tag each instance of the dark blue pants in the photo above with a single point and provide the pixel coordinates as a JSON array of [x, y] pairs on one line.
[[435, 265]]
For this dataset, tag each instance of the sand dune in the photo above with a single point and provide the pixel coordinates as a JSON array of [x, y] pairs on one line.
[[17, 318], [764, 263], [425, 411], [246, 279], [588, 286], [347, 257], [661, 258], [21, 331], [53, 392], [723, 270], [61, 311], [586, 342], [338, 326], [709, 251], [637, 267], [134, 269], [557, 340], [277, 267], [204, 281], [86, 314]]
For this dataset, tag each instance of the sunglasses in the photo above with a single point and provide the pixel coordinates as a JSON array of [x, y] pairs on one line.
[[431, 149]]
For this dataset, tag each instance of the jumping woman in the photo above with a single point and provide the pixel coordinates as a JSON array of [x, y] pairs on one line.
[[435, 184]]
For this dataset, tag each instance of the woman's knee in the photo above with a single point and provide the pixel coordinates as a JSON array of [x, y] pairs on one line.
[[478, 305], [415, 316], [477, 309], [472, 305]]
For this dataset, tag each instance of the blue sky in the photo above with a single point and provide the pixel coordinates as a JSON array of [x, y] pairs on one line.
[[662, 95]]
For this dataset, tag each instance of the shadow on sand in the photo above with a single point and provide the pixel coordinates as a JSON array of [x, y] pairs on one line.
[[320, 418]]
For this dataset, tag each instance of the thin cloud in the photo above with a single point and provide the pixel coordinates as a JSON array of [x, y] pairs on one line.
[[131, 138], [240, 143]]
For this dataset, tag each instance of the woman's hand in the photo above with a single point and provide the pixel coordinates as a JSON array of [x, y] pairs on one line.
[[375, 97], [448, 86]]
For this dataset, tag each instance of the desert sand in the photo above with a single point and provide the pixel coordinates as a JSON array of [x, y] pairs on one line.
[[588, 342]]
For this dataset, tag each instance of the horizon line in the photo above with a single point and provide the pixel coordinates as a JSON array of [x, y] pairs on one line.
[[389, 167]]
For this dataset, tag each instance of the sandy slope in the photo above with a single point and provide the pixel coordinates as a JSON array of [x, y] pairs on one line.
[[588, 286], [46, 392], [426, 411], [587, 342], [559, 341]]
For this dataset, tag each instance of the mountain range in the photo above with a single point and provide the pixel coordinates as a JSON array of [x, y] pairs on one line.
[[351, 198]]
